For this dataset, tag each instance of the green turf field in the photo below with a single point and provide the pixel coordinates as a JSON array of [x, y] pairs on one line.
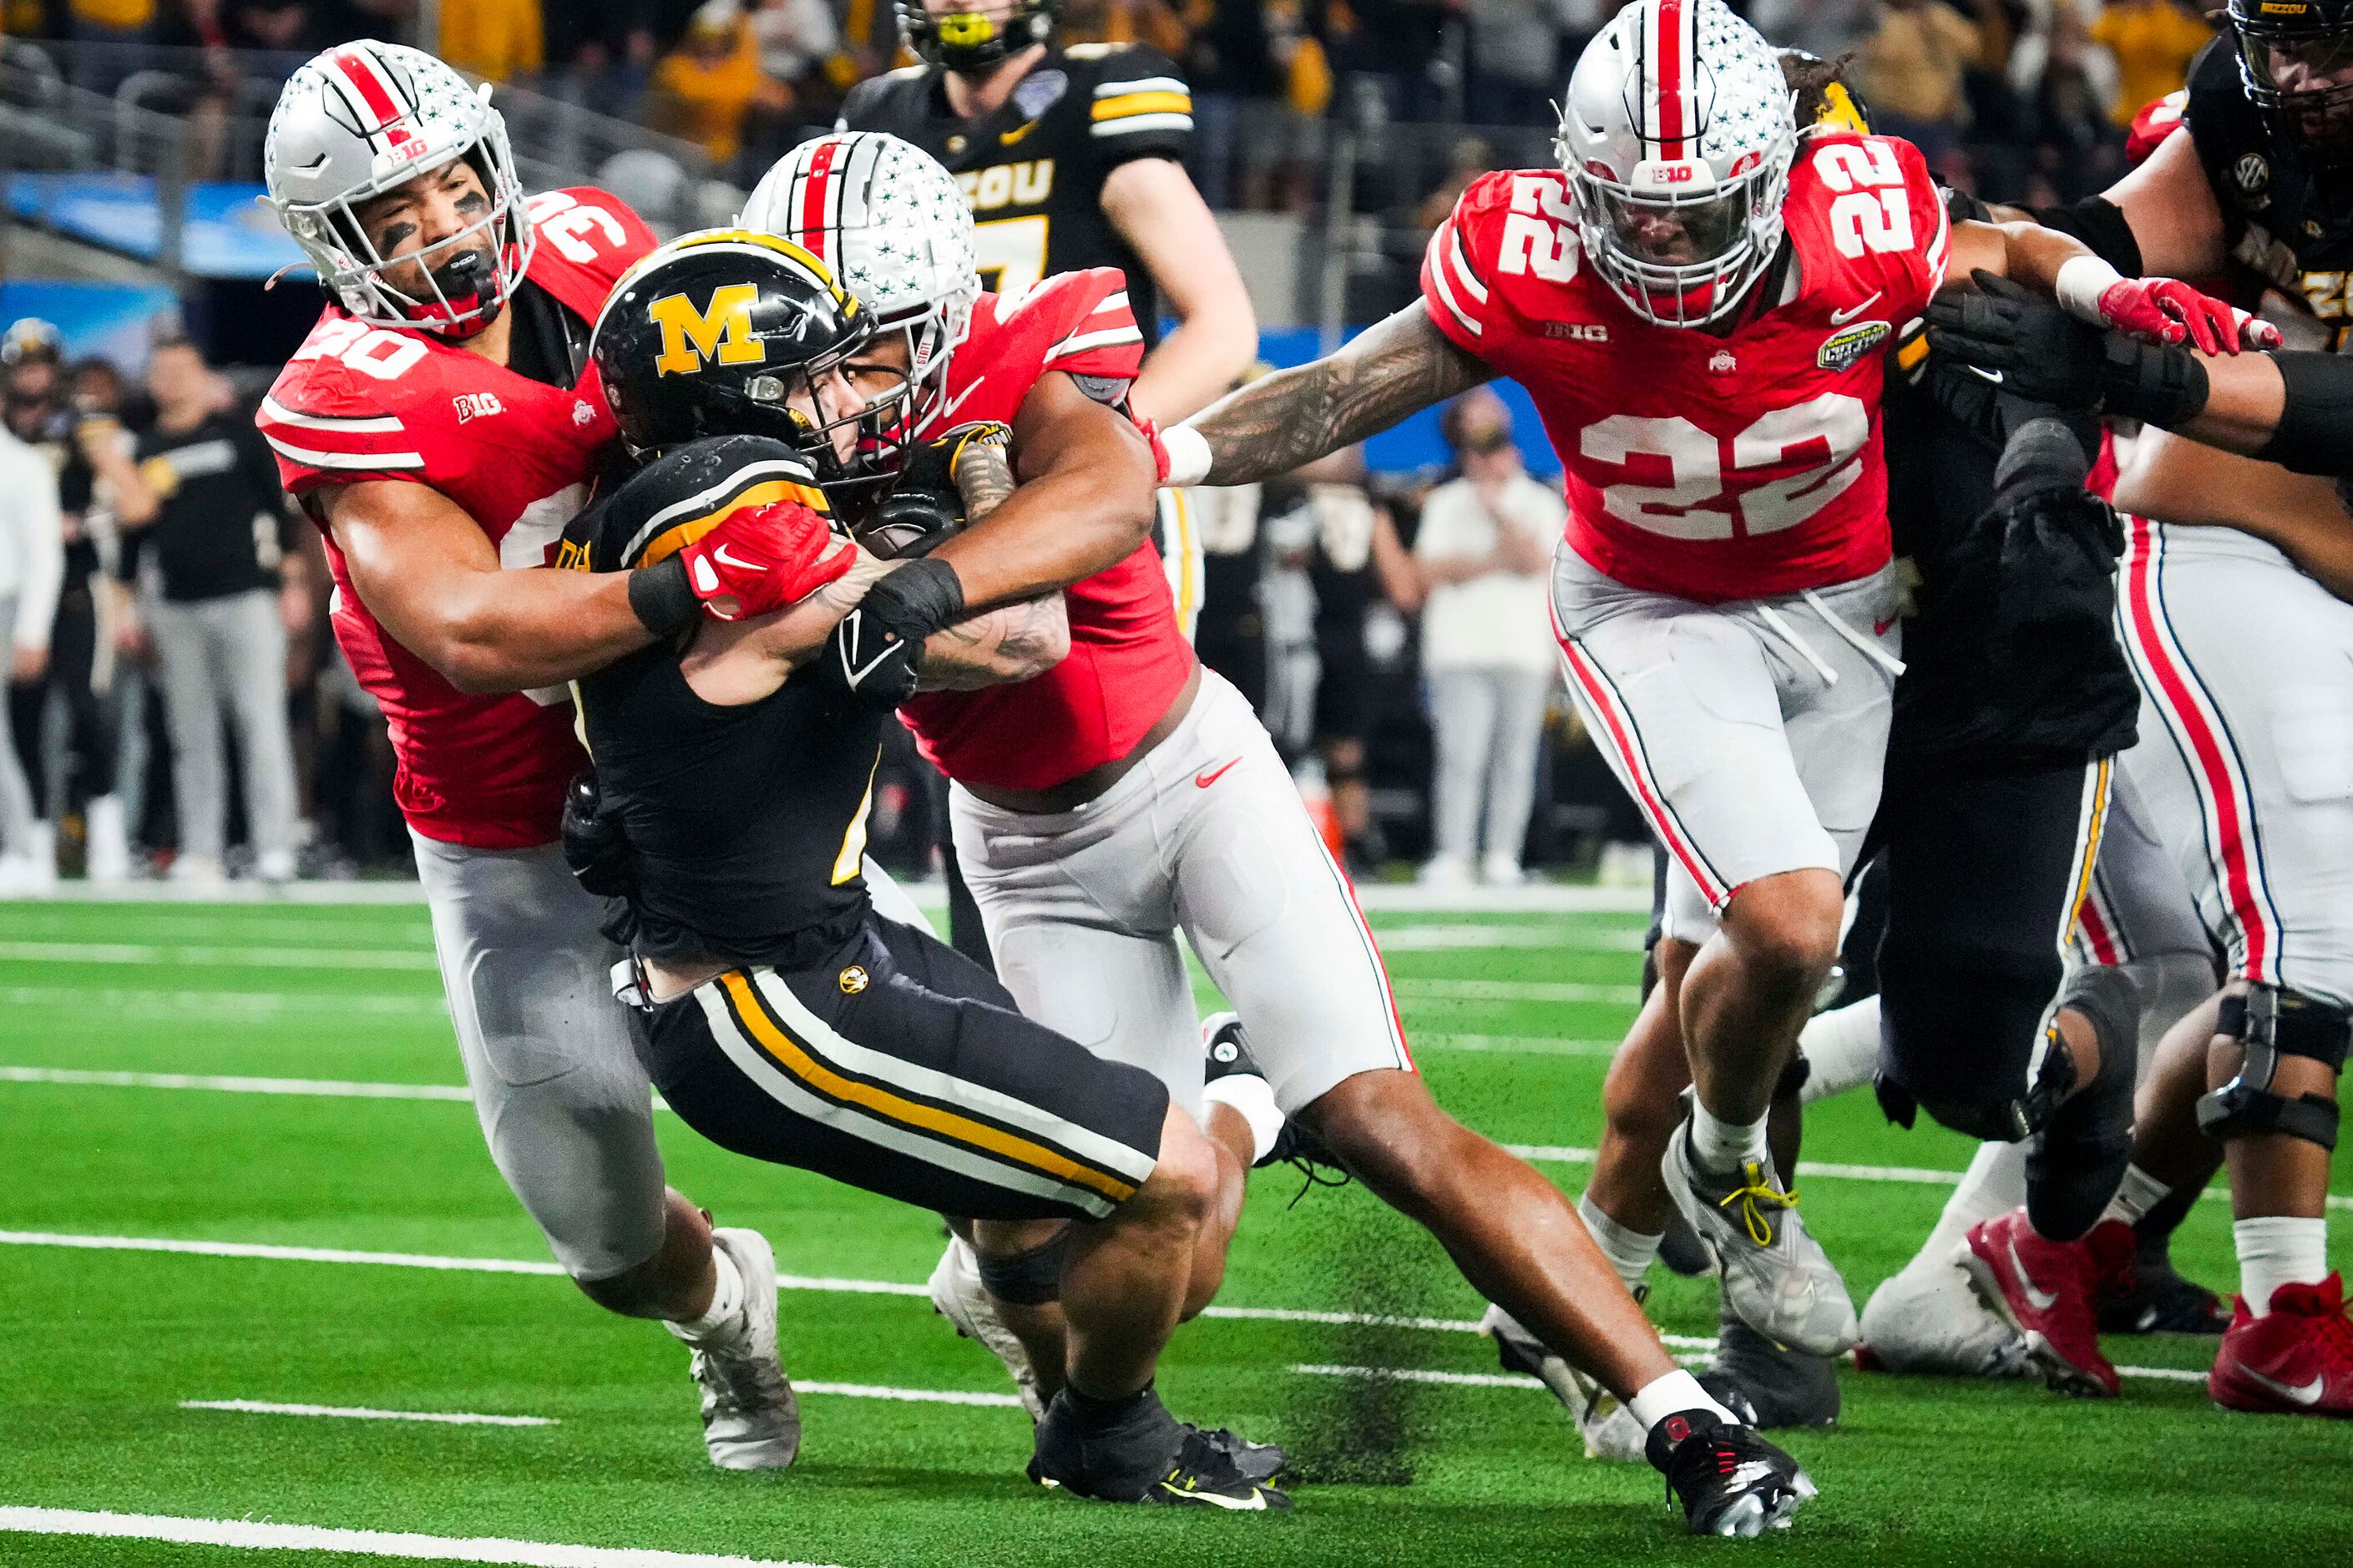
[[1513, 1016]]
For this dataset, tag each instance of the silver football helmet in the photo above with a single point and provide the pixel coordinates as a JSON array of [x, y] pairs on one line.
[[891, 223], [1677, 139], [361, 119]]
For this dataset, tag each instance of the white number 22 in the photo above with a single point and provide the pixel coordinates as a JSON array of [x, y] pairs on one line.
[[1874, 212], [1697, 501]]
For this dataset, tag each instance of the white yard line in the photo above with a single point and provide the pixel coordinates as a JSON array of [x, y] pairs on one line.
[[260, 1536], [218, 957], [1518, 1045], [1509, 991], [1463, 936], [239, 1005], [915, 1395], [361, 1413]]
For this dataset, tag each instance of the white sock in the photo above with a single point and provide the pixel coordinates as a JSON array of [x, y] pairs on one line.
[[1254, 1098], [1665, 1396], [2139, 1193], [2276, 1250], [1628, 1250], [726, 1301], [1721, 1146], [1994, 1183], [1842, 1049]]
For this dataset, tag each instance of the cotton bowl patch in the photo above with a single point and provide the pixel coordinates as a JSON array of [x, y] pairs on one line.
[[1842, 348]]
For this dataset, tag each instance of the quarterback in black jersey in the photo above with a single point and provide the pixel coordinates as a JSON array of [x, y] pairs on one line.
[[724, 822], [1073, 158]]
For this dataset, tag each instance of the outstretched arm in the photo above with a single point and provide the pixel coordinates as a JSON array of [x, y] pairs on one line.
[[1011, 642], [1393, 368]]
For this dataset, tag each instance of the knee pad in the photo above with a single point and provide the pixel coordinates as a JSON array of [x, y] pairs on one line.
[[2270, 1022], [1030, 1278]]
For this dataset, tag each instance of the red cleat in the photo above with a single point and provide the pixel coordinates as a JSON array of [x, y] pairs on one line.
[[2044, 1289], [2297, 1361]]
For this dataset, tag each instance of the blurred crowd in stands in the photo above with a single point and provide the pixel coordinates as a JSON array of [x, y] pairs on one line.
[[2018, 98]]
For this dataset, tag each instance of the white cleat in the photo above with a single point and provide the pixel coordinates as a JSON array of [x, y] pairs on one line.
[[958, 1296], [1776, 1276], [1925, 1319], [1609, 1429], [750, 1419]]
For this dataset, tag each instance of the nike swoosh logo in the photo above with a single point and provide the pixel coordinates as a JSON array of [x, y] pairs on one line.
[[1256, 1503], [1008, 138], [2040, 1300], [856, 674], [948, 414], [2295, 1393], [1840, 318], [1992, 375], [719, 554], [1206, 779]]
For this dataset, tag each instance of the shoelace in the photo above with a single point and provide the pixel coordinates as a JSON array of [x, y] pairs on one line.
[[1747, 1194]]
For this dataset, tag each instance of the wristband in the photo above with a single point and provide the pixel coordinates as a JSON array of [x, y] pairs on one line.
[[2157, 383], [1189, 456], [2081, 281], [2315, 416], [662, 600], [917, 599]]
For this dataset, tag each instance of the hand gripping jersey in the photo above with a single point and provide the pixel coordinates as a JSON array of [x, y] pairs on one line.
[[360, 403], [2294, 233], [1712, 468], [1128, 660], [1034, 169]]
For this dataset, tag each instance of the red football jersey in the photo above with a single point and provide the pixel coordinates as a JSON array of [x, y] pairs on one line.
[[1710, 467], [376, 403], [1128, 658]]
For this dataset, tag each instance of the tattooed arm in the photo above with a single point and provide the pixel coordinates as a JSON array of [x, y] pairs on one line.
[[1394, 368], [1010, 643]]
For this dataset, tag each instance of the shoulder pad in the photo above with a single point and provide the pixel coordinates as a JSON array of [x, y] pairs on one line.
[[681, 494]]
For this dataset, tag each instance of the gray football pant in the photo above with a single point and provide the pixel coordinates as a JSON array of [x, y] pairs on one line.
[[227, 655], [1488, 722]]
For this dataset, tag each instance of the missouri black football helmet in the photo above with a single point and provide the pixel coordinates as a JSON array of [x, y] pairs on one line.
[[728, 332], [980, 33], [2296, 60]]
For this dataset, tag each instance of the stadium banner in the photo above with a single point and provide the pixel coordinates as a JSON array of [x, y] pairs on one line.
[[226, 231], [1415, 444], [114, 320]]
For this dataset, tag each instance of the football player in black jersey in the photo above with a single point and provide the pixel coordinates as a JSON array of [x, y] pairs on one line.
[[2235, 615], [1073, 158], [779, 1013]]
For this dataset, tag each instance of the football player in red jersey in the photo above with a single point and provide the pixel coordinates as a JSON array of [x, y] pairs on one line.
[[1698, 298], [440, 425], [1127, 793]]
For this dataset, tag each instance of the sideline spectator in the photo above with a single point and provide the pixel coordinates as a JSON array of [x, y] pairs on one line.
[[1485, 549], [202, 500], [497, 39], [1912, 70], [704, 88], [2153, 42], [32, 566], [796, 38]]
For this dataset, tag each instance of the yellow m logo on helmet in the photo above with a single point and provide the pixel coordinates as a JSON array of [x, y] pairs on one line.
[[693, 336]]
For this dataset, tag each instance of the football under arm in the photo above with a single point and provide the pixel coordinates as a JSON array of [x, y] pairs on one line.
[[426, 571], [1011, 642], [1153, 204], [1082, 504], [1395, 367]]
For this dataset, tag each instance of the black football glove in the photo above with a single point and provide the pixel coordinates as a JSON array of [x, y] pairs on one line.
[[925, 505], [873, 652], [2042, 353]]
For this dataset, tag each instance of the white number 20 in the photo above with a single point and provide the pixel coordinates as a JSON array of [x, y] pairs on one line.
[[1697, 502], [1873, 211]]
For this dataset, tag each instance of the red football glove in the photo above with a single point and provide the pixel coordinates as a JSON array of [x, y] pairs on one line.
[[1159, 448], [2167, 310], [763, 558]]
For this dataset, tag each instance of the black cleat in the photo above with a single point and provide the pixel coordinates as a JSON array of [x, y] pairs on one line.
[[2075, 1166], [1226, 1053], [2152, 1298], [1729, 1480], [1769, 1385], [1133, 1451]]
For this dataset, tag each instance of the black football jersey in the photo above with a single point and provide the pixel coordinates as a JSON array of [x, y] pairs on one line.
[[2294, 233], [745, 825], [1034, 170]]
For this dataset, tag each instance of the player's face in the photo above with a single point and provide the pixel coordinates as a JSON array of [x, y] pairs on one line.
[[421, 229], [1682, 233], [839, 398]]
